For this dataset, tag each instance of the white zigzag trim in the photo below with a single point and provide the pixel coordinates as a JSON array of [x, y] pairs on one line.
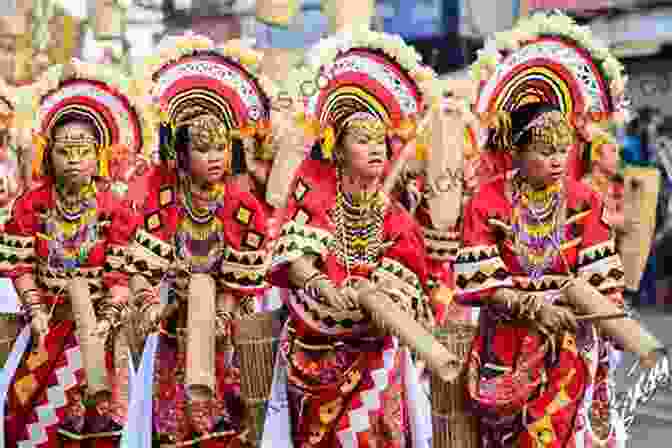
[[359, 418], [46, 413]]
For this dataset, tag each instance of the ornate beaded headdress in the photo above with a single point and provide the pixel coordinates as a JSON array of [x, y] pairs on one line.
[[195, 79], [548, 59], [79, 91], [363, 72]]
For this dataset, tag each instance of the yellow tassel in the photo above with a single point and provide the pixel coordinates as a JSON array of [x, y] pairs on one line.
[[104, 162], [596, 145], [443, 295], [421, 150], [309, 125], [328, 142], [406, 129], [501, 124], [40, 147]]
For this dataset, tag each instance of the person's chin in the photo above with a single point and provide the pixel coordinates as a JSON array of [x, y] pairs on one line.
[[375, 170]]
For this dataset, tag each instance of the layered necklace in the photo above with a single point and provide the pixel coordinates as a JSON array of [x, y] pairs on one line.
[[537, 225], [359, 227], [199, 234], [72, 231]]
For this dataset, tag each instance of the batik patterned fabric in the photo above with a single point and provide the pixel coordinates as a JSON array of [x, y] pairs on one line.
[[231, 249], [545, 408], [345, 381], [47, 387]]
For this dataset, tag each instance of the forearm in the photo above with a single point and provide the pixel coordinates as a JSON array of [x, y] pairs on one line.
[[302, 271], [114, 304], [28, 293], [525, 306]]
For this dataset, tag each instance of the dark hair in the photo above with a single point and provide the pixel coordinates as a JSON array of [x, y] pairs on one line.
[[509, 130]]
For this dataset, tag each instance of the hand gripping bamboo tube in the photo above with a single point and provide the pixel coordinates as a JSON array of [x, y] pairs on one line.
[[91, 345], [392, 318], [627, 332], [201, 333]]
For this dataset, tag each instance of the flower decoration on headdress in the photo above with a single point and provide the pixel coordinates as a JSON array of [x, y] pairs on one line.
[[363, 71], [549, 59], [79, 91], [192, 76]]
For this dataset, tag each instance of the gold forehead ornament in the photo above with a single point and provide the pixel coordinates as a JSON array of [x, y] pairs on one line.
[[549, 128], [372, 128]]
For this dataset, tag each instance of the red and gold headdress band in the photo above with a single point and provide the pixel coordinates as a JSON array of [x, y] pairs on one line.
[[548, 58], [195, 74], [92, 94], [365, 71]]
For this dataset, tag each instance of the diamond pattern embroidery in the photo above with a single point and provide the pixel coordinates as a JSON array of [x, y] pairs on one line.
[[302, 217], [253, 240], [300, 191], [166, 196], [244, 215], [153, 222]]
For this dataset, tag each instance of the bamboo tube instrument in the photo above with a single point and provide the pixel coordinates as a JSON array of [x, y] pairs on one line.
[[201, 334], [92, 346], [388, 315], [627, 332]]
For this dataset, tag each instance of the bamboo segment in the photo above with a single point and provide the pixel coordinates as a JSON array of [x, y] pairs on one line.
[[640, 200], [453, 425], [108, 21], [628, 333], [276, 12], [443, 169], [254, 340], [201, 333], [92, 346], [348, 15], [388, 315], [10, 327]]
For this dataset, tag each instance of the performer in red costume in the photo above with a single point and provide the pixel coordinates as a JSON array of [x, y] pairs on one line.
[[71, 380], [347, 379], [536, 376], [602, 167], [199, 218]]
